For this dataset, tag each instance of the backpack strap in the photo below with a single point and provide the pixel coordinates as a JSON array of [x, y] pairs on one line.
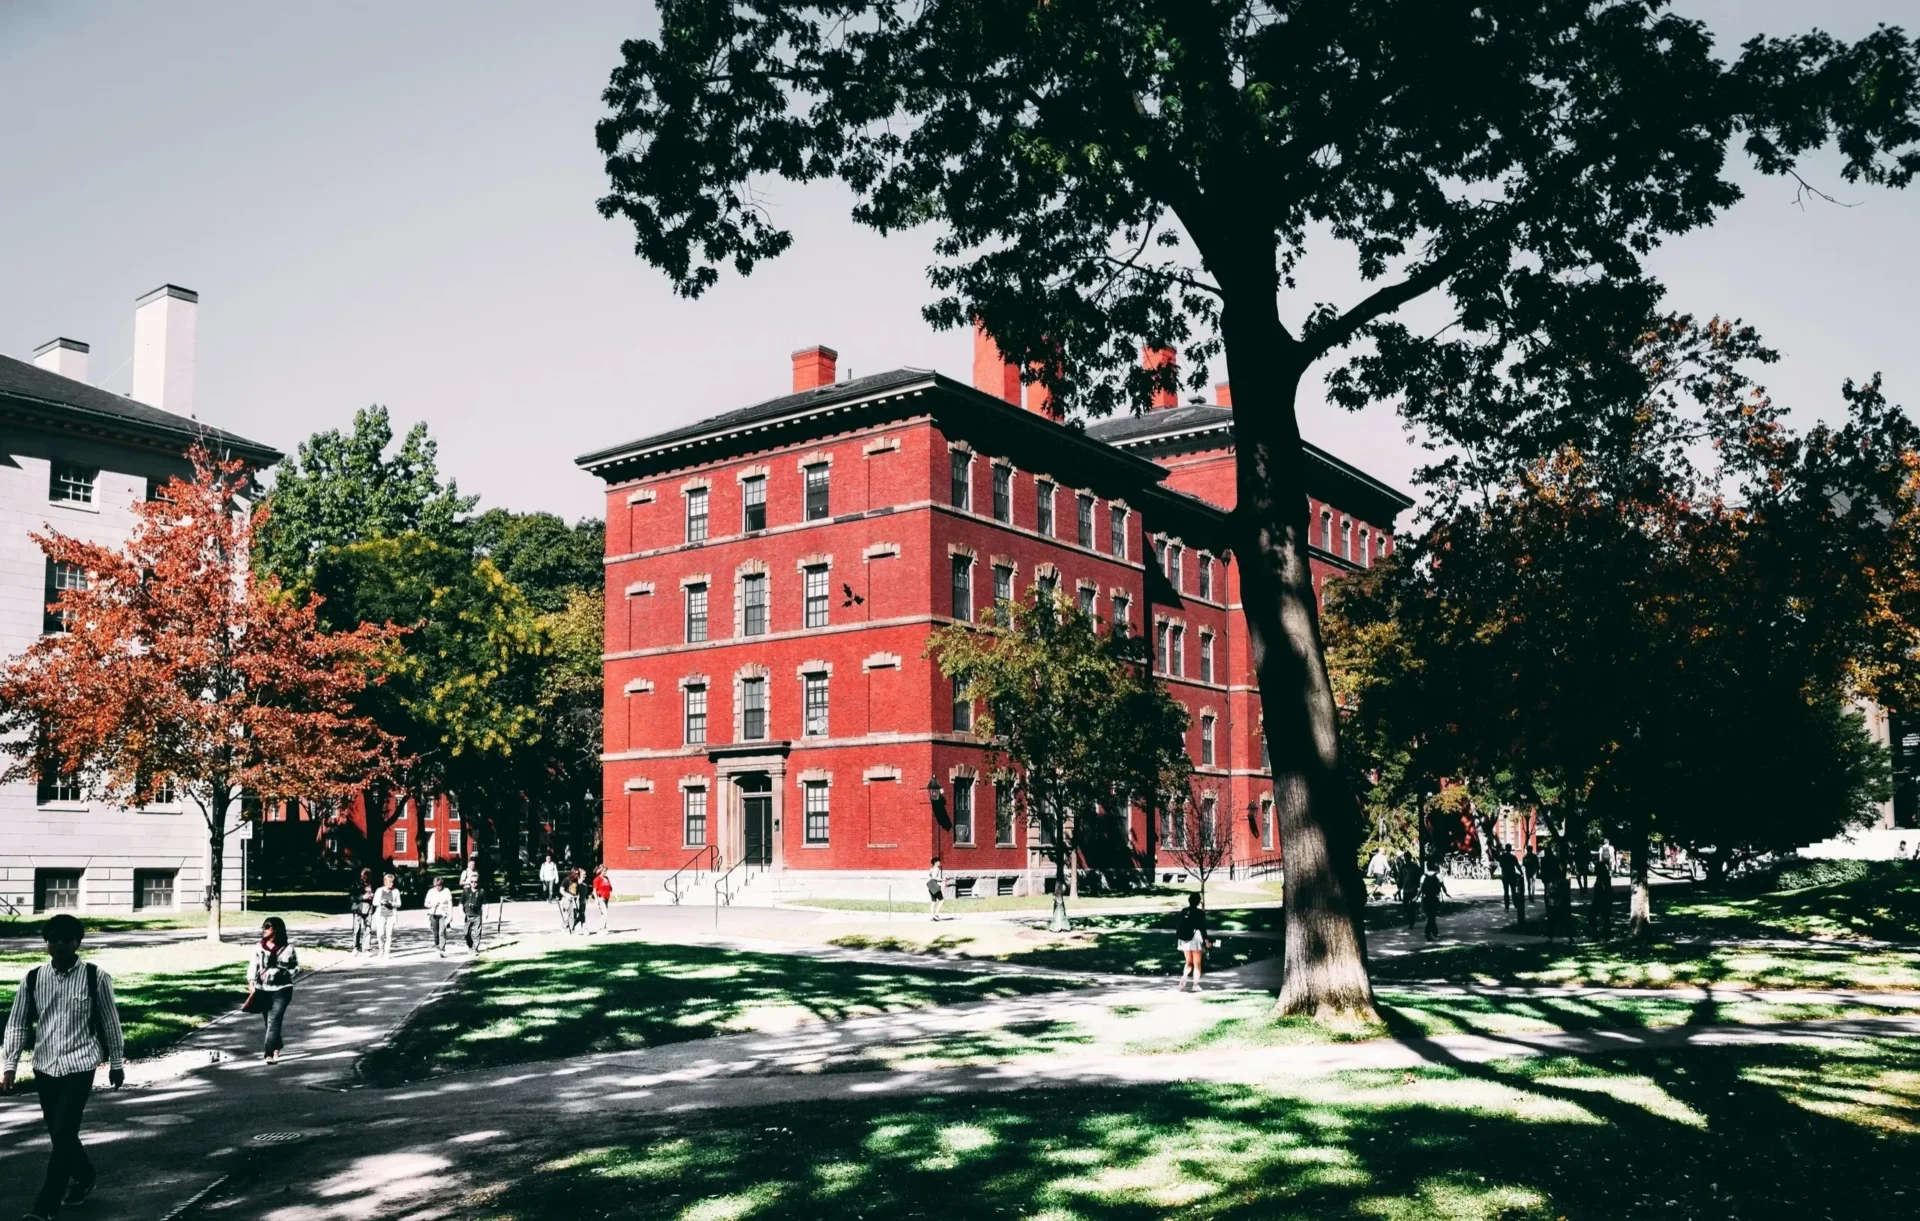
[[30, 997], [93, 1009]]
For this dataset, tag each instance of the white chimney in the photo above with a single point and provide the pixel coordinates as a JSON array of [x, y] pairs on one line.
[[163, 326], [67, 357]]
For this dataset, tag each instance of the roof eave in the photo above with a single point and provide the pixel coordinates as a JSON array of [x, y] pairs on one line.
[[54, 413]]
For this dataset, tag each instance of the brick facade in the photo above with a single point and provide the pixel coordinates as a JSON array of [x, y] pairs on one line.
[[773, 574]]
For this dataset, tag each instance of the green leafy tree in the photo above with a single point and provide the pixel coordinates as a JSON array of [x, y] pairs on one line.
[[1657, 628], [1108, 173], [549, 560], [461, 692], [1082, 728], [344, 489]]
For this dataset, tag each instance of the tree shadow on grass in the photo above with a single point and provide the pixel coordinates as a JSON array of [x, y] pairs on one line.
[[1660, 964], [623, 995], [1705, 1133], [156, 1010]]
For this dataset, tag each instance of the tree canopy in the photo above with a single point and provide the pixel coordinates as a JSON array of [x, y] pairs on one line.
[[1104, 174]]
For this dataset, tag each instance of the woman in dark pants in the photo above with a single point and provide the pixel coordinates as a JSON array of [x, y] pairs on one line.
[[270, 979]]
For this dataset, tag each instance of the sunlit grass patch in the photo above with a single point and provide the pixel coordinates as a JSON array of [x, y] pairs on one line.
[[1662, 964]]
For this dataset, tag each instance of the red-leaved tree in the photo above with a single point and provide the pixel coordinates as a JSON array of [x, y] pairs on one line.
[[178, 669]]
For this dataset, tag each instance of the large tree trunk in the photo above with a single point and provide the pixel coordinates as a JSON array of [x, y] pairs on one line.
[[1326, 958]]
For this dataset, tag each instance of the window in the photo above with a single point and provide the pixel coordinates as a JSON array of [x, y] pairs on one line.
[[963, 588], [963, 812], [1266, 760], [753, 503], [1366, 547], [753, 709], [1206, 575], [1083, 521], [57, 790], [697, 515], [1178, 817], [1206, 741], [1266, 823], [753, 605], [56, 890], [1122, 606], [1176, 568], [962, 705], [1326, 531], [814, 808], [693, 815], [60, 578], [1160, 661], [814, 690], [165, 792], [72, 484], [816, 596], [453, 841], [399, 841], [1160, 554], [1003, 885], [1047, 584], [1003, 493], [696, 715], [696, 613], [1003, 593], [960, 465], [427, 814], [400, 810], [1206, 657], [1087, 596], [153, 888], [1043, 513], [1208, 824], [1003, 815], [817, 488], [1117, 531], [1180, 651], [1346, 540]]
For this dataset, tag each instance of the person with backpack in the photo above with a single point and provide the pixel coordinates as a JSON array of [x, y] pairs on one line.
[[474, 908], [270, 979], [360, 903], [64, 1010], [1190, 938], [1431, 889], [386, 914], [440, 913]]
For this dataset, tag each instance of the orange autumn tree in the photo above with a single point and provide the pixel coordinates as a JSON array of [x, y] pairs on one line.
[[178, 667]]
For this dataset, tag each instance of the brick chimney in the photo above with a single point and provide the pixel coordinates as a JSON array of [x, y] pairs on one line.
[[1223, 394], [1152, 357], [992, 372], [67, 357], [814, 367], [163, 348]]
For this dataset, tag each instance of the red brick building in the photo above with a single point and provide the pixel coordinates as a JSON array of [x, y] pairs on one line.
[[773, 574]]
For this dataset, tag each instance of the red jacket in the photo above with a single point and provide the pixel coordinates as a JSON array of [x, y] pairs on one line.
[[602, 888]]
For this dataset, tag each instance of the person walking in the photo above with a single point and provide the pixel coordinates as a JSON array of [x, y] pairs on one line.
[[563, 900], [386, 914], [64, 1010], [936, 889], [360, 903], [1600, 905], [474, 908], [1410, 878], [1530, 866], [1509, 877], [582, 893], [1190, 937], [270, 975], [549, 879], [1431, 889], [1377, 872], [602, 898], [440, 913]]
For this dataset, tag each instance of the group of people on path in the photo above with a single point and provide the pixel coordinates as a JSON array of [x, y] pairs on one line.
[[1554, 870], [376, 912], [578, 899]]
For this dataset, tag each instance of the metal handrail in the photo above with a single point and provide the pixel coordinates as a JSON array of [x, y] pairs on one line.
[[672, 883], [721, 893]]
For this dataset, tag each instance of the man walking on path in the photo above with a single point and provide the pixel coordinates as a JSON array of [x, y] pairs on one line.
[[386, 914], [439, 913], [549, 879], [360, 903], [1530, 865], [65, 1010], [1600, 906], [1509, 877], [1431, 888], [475, 910]]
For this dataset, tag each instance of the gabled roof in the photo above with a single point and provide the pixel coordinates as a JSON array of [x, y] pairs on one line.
[[1168, 421], [46, 398]]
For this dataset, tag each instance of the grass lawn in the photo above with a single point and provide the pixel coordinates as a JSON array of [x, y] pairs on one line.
[[529, 1003], [1883, 904], [29, 926], [162, 991], [1129, 943], [1755, 1132], [1661, 964]]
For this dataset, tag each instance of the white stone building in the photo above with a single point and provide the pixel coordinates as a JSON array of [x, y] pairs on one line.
[[76, 458]]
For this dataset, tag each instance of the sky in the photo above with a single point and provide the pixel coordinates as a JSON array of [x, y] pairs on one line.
[[394, 203]]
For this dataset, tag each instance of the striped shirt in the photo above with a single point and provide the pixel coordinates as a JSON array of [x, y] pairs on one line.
[[63, 1039]]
